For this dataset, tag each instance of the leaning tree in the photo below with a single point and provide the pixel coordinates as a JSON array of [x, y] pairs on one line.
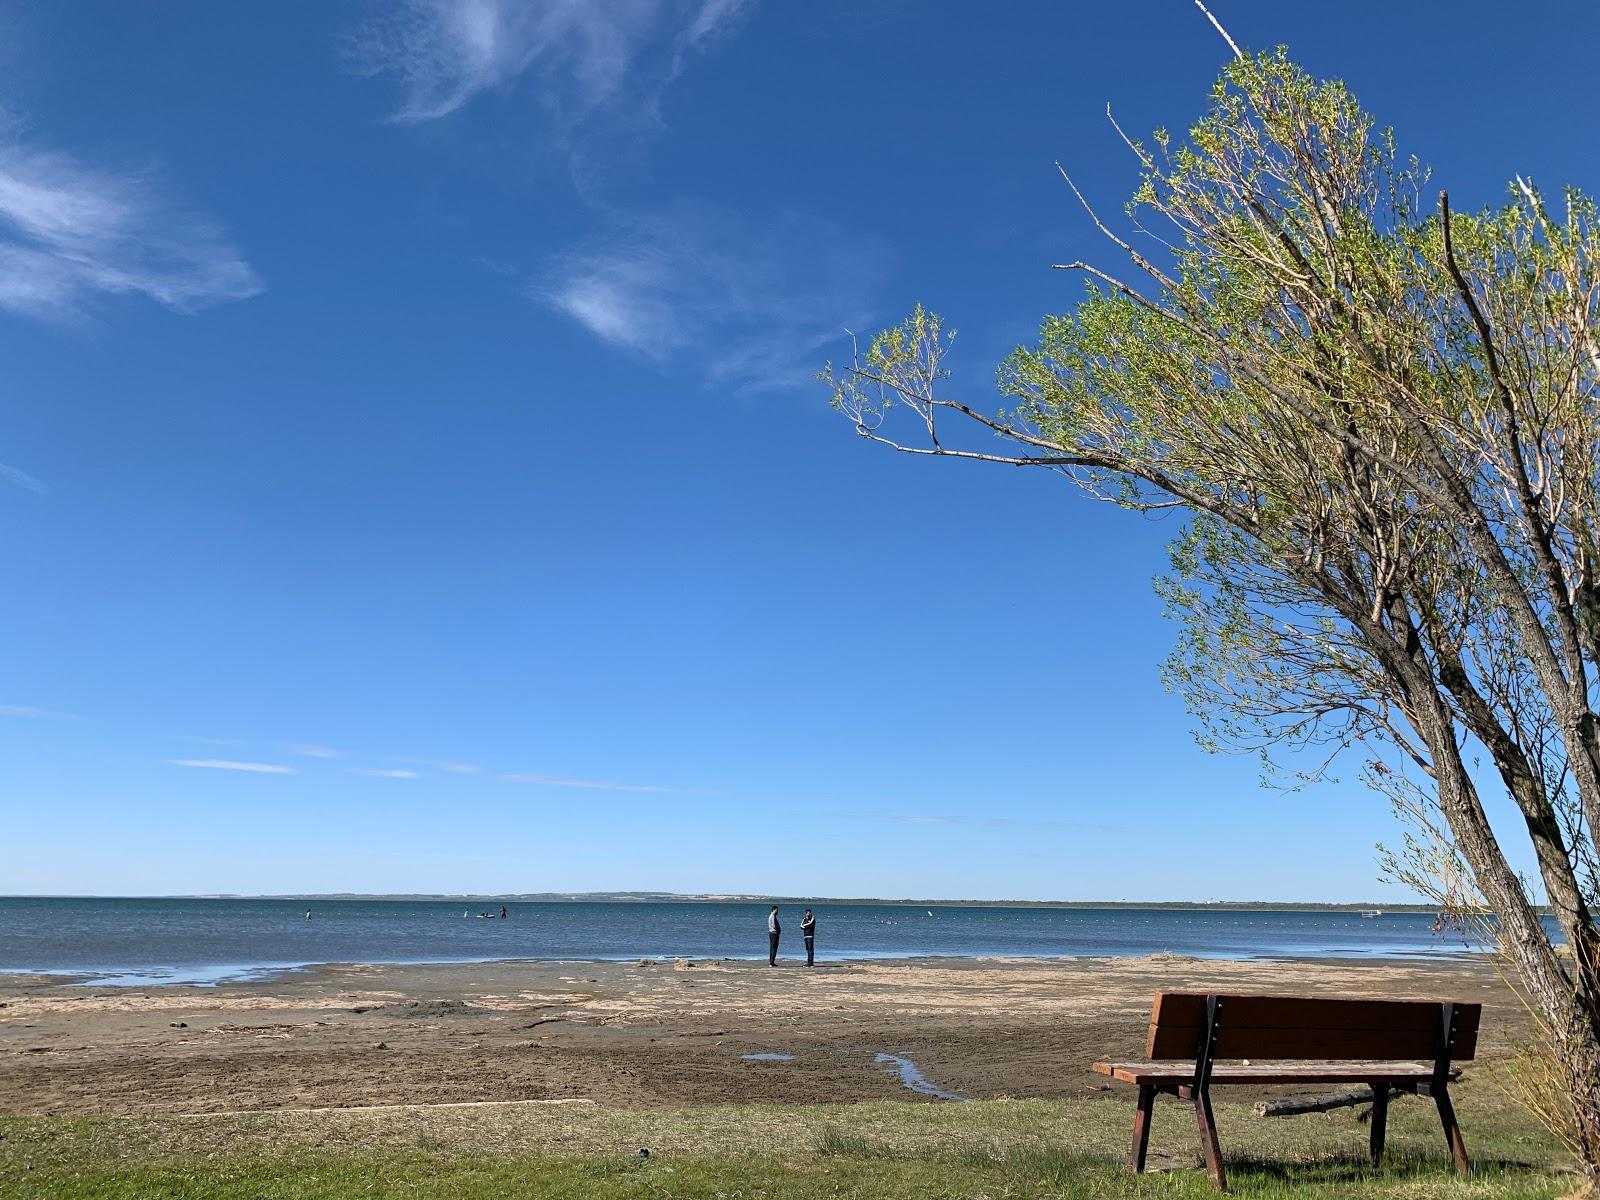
[[1381, 418]]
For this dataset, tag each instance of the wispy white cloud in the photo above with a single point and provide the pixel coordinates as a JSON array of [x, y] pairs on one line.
[[28, 712], [70, 232], [709, 19], [383, 772], [453, 768], [17, 477], [225, 764], [307, 750], [752, 303], [582, 54], [599, 785]]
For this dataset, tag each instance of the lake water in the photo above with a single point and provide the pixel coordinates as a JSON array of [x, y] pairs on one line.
[[138, 941]]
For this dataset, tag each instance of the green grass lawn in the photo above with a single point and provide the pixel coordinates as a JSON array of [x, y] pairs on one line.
[[996, 1149]]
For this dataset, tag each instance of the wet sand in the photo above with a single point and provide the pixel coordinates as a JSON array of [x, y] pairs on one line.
[[640, 1035]]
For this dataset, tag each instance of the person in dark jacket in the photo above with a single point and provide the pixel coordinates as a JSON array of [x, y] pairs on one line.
[[808, 930], [774, 932]]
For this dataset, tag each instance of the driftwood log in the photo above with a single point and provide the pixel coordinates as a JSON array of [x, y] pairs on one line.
[[1314, 1104]]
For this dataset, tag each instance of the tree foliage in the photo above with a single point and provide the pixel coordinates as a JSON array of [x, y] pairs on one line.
[[1381, 417]]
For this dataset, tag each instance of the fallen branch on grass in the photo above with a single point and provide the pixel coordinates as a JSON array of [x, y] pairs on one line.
[[1314, 1104]]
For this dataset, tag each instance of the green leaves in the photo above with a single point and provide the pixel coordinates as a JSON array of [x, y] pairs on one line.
[[1382, 419]]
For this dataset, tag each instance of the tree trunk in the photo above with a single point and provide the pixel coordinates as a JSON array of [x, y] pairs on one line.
[[1576, 1043]]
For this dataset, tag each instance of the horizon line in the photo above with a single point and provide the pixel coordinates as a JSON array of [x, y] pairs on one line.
[[647, 896]]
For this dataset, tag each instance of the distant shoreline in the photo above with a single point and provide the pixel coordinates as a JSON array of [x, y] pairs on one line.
[[691, 898]]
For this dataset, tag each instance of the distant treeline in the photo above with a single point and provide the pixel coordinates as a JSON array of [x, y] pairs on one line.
[[679, 898]]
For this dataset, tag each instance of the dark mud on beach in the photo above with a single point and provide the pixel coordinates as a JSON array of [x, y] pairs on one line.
[[633, 1034]]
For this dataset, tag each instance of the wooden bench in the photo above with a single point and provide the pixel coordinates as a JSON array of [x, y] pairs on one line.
[[1393, 1045]]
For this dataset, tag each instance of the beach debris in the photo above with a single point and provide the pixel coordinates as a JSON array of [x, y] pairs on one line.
[[381, 1046], [418, 1009], [643, 1153], [177, 1024]]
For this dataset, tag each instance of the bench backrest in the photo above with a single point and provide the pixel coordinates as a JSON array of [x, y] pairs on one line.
[[1312, 1027]]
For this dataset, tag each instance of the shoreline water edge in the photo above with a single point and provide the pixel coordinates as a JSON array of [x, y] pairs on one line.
[[155, 942]]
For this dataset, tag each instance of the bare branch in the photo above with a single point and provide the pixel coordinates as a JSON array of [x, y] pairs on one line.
[[1217, 25]]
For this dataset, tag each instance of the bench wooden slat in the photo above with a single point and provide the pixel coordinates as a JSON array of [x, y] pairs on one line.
[[1320, 1027], [1298, 1071], [1168, 1042], [1324, 1012]]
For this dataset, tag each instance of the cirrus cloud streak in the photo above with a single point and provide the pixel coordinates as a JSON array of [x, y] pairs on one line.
[[228, 764], [749, 303], [70, 232], [583, 54]]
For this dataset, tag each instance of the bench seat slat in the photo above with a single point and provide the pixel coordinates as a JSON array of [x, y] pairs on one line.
[[1178, 1072]]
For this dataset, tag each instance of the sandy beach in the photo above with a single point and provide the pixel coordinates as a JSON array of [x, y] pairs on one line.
[[633, 1034]]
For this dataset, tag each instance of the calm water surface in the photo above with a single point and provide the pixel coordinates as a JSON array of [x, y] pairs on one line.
[[205, 941]]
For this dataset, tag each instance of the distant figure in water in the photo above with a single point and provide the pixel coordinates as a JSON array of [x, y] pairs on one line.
[[308, 914], [502, 912], [808, 930], [774, 932]]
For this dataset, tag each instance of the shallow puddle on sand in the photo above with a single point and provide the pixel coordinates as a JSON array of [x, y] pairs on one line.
[[767, 1056], [912, 1077]]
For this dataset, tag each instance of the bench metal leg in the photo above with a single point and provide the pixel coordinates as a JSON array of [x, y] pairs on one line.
[[1209, 1145], [1452, 1131], [1141, 1126], [1379, 1120]]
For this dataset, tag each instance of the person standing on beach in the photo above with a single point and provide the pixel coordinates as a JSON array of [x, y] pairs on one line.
[[774, 932], [808, 930]]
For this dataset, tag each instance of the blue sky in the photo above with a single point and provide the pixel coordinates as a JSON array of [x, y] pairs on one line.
[[410, 478]]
